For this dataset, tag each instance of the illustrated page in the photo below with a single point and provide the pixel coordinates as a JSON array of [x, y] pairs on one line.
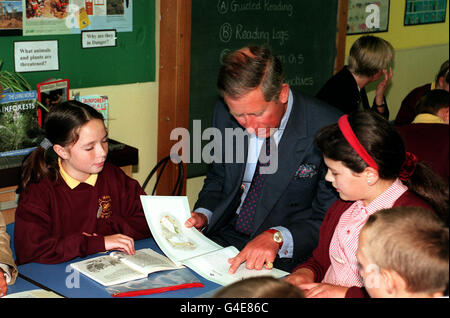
[[107, 270], [145, 260], [166, 216]]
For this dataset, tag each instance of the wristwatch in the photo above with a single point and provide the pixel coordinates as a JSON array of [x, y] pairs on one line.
[[277, 236]]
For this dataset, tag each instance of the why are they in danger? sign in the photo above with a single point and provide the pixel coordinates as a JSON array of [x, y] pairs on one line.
[[98, 38]]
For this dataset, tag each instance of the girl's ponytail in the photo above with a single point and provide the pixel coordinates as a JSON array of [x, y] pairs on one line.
[[39, 164], [431, 187]]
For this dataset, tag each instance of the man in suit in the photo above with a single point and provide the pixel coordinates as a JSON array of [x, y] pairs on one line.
[[285, 208]]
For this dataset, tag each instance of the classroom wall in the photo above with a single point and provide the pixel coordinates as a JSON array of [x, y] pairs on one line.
[[134, 114], [419, 52]]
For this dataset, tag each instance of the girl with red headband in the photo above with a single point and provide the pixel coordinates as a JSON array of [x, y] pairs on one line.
[[368, 166]]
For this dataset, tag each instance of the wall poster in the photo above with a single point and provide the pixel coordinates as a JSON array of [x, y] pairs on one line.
[[424, 11], [365, 16]]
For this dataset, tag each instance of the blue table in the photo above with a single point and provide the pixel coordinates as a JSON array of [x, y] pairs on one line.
[[21, 285], [57, 277]]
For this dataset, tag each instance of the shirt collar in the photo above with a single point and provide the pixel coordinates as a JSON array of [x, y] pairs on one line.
[[427, 119], [385, 200], [73, 183]]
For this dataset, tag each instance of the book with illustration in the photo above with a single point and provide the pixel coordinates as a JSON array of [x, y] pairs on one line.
[[19, 129], [166, 216], [51, 92], [119, 267], [99, 102]]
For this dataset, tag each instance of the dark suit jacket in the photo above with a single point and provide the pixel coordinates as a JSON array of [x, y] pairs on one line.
[[294, 197], [341, 91]]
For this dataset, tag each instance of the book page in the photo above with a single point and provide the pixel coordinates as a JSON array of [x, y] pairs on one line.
[[145, 260], [34, 293], [107, 270], [166, 216], [215, 266]]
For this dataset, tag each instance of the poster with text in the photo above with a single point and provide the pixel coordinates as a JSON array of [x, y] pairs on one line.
[[425, 12], [41, 17], [10, 17], [365, 16]]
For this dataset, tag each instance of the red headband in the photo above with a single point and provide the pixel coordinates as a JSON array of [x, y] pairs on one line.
[[350, 136]]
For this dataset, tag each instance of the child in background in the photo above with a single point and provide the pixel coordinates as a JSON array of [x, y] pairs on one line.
[[403, 253], [369, 168], [260, 287], [72, 203]]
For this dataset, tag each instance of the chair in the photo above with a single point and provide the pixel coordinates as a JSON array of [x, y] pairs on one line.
[[162, 165]]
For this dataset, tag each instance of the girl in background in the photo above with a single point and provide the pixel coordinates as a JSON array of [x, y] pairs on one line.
[[72, 203]]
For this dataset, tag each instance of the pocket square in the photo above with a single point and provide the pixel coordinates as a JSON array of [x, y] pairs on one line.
[[306, 170]]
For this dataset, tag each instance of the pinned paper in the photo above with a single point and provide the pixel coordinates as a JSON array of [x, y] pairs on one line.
[[83, 18]]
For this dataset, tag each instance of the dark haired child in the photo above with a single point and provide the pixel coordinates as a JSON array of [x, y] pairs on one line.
[[368, 166], [74, 203]]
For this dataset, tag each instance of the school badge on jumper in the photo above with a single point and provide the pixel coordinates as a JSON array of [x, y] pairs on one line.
[[104, 207]]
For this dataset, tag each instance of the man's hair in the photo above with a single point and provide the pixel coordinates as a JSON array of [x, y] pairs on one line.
[[369, 55], [413, 242], [260, 287], [433, 101], [249, 68]]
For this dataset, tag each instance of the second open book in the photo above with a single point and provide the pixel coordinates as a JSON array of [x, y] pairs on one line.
[[166, 216]]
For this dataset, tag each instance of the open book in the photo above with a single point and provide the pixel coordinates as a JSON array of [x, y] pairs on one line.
[[119, 267], [34, 293], [166, 216]]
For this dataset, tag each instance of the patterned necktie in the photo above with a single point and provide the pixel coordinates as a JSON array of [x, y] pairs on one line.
[[245, 219]]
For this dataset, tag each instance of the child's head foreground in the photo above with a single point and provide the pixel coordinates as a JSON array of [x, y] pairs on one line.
[[404, 252], [260, 287]]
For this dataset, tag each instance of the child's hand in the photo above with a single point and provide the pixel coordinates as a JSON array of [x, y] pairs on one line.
[[120, 242]]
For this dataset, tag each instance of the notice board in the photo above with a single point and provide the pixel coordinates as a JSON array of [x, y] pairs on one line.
[[132, 60]]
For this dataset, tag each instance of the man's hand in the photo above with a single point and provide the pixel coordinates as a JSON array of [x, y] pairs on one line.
[[259, 251], [3, 285], [197, 220]]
